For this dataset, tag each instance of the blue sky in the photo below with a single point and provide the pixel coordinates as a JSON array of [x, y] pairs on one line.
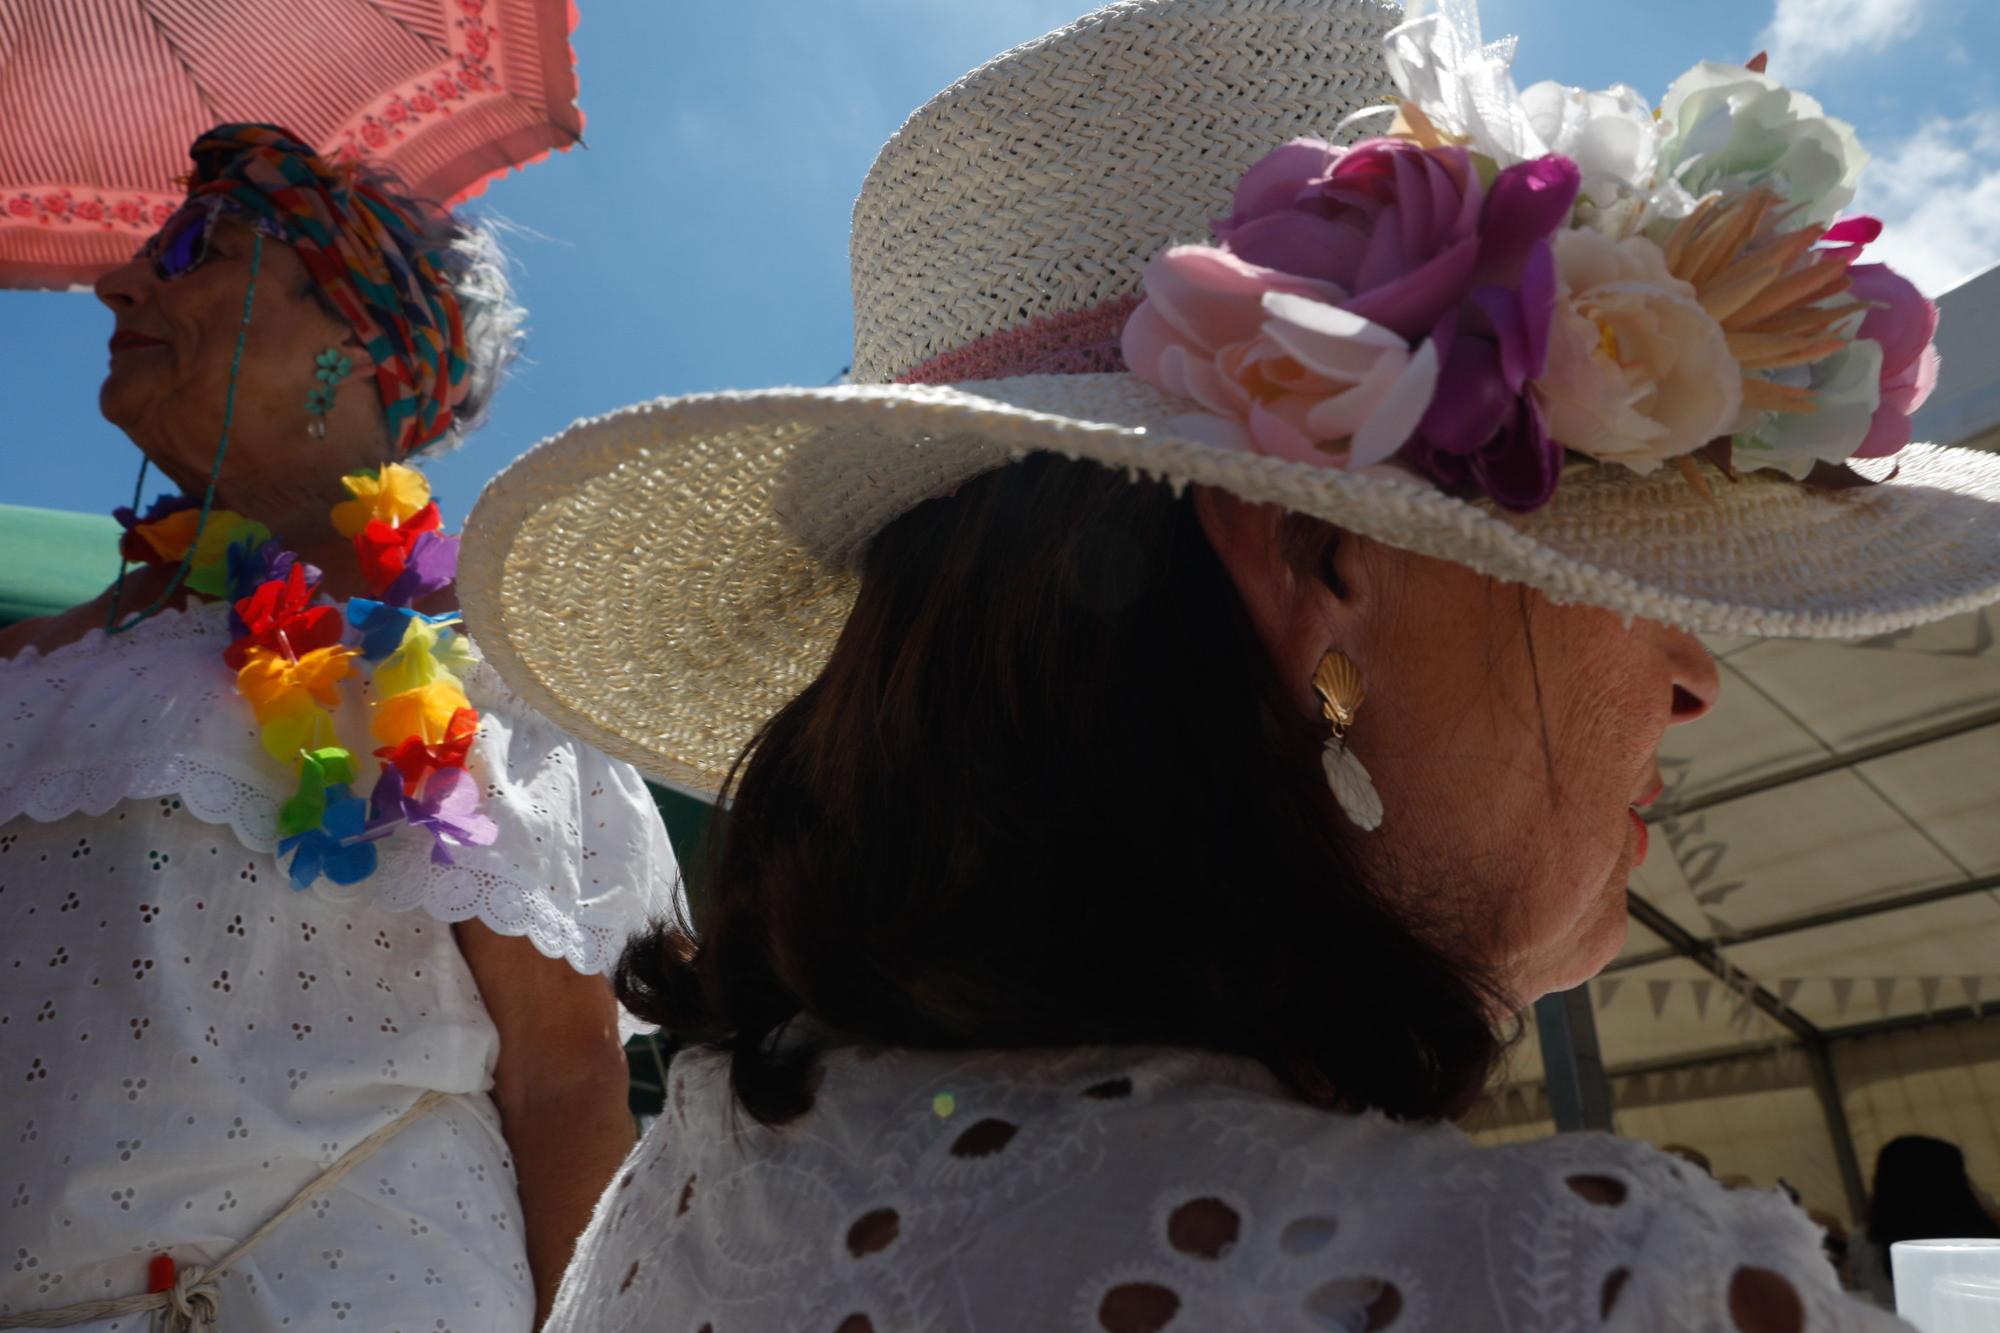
[[700, 241]]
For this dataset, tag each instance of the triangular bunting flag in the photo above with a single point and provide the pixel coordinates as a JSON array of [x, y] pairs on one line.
[[1929, 986], [1788, 989], [1658, 991], [1843, 991], [1701, 991], [1885, 991], [1973, 986], [1607, 988]]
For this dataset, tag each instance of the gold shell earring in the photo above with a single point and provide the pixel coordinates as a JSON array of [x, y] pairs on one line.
[[1338, 683]]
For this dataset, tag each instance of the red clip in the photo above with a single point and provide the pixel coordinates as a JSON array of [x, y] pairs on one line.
[[160, 1273]]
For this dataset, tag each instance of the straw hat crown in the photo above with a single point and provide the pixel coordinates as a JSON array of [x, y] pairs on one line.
[[1039, 184]]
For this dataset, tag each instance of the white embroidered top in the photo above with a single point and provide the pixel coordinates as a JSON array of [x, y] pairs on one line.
[[185, 1041], [1108, 1191]]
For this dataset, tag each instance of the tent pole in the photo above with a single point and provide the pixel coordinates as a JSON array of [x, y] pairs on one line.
[[1572, 1063], [1828, 1087]]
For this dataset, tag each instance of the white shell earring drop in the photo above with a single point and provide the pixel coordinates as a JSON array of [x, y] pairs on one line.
[[1338, 683]]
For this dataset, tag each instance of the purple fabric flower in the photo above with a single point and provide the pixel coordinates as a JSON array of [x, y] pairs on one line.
[[1394, 226], [1484, 428], [448, 807], [431, 565]]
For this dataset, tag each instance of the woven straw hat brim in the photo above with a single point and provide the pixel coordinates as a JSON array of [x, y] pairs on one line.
[[663, 579]]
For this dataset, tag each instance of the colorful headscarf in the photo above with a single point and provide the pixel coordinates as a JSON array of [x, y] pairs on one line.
[[364, 253]]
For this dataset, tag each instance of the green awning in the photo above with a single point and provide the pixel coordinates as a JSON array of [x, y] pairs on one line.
[[51, 559]]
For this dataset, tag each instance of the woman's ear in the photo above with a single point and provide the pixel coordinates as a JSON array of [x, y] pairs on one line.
[[361, 366], [1299, 608]]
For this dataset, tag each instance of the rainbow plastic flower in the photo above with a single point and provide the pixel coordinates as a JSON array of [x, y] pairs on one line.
[[447, 808], [167, 539], [414, 758], [319, 769], [415, 663], [208, 568], [142, 547], [424, 713], [383, 626], [276, 685], [391, 496], [280, 618], [429, 565], [341, 848], [384, 550], [303, 726], [252, 566]]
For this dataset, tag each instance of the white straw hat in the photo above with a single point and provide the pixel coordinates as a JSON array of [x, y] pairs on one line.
[[662, 579]]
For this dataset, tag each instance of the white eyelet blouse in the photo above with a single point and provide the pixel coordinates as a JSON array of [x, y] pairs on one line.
[[185, 1041], [1134, 1191]]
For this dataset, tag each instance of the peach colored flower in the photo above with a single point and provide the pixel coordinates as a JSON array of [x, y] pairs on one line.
[[1637, 371], [1275, 366]]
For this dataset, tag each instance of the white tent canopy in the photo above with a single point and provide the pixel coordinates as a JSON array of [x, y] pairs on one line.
[[1816, 936]]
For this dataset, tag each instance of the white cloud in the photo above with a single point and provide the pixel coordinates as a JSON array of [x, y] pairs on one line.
[[1938, 192], [1805, 34]]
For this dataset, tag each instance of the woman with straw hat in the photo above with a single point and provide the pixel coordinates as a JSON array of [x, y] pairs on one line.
[[1205, 672]]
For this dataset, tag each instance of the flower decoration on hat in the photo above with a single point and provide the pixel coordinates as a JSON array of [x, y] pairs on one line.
[[1503, 282], [293, 650]]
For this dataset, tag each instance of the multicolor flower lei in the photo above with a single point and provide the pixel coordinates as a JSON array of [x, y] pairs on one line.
[[1507, 278], [291, 651]]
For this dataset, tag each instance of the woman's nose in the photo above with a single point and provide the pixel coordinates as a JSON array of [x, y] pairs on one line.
[[123, 287], [1697, 680]]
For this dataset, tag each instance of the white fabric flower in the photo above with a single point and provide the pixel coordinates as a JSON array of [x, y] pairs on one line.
[[1615, 139], [1732, 129], [1464, 84], [1637, 371], [1847, 388]]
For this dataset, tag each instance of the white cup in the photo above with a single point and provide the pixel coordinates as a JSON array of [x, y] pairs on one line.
[[1948, 1286]]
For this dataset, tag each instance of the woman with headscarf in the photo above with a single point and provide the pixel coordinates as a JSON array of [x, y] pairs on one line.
[[1180, 699], [305, 918]]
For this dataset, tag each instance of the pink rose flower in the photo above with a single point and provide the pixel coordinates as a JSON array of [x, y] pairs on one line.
[[1276, 366], [1903, 323]]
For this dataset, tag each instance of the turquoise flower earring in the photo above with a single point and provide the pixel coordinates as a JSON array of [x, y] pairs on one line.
[[331, 368]]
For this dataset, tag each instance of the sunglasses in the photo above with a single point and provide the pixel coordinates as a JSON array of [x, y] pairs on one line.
[[182, 244], [186, 240]]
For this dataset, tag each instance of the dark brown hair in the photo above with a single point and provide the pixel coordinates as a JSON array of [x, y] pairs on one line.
[[1048, 792]]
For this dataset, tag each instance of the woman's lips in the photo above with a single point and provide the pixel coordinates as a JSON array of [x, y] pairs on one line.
[[1645, 836], [125, 340]]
